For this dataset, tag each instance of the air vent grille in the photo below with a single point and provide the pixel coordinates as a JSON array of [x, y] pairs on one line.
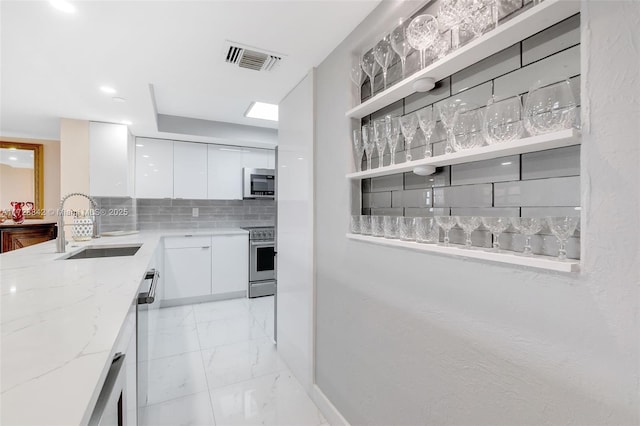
[[250, 58]]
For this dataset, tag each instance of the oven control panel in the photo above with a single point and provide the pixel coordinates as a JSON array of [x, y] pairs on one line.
[[262, 234]]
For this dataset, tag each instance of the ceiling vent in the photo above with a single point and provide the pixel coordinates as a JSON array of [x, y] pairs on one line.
[[250, 57]]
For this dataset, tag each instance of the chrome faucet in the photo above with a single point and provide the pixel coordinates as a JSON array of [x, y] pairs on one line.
[[60, 240]]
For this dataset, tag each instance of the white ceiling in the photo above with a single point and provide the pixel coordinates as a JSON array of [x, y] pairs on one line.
[[53, 63]]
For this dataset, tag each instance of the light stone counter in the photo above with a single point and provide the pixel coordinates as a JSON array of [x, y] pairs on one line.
[[60, 322]]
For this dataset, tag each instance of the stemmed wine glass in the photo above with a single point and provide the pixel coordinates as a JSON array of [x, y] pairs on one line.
[[468, 225], [550, 108], [357, 76], [383, 53], [367, 141], [408, 125], [422, 32], [393, 135], [401, 46], [448, 110], [562, 228], [467, 129], [369, 66], [451, 15], [527, 226], [503, 120], [446, 223], [380, 138], [496, 225], [427, 123], [358, 149]]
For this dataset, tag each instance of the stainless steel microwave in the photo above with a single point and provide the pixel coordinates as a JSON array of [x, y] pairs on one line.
[[259, 183]]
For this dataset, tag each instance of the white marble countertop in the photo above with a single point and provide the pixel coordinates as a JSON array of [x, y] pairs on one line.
[[60, 321]]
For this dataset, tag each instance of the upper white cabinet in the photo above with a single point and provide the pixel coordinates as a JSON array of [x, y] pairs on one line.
[[258, 158], [224, 173], [154, 168], [189, 170], [110, 160]]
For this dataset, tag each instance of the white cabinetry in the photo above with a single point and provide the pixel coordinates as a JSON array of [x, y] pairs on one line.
[[187, 267], [110, 159], [224, 173], [189, 170], [230, 264], [154, 168], [258, 158]]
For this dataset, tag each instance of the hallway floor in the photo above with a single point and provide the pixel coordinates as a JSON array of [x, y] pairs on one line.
[[216, 364]]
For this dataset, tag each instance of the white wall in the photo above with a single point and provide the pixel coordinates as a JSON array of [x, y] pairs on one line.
[[74, 162], [409, 338], [295, 230]]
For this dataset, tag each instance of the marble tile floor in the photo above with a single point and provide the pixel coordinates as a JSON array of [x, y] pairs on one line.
[[216, 364]]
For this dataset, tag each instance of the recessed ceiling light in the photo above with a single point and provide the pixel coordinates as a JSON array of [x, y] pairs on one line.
[[13, 158], [262, 111], [118, 99], [63, 6], [126, 122], [107, 89]]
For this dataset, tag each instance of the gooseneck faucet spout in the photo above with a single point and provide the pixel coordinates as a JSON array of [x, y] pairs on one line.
[[60, 240]]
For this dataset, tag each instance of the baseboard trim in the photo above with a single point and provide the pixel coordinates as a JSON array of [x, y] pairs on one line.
[[167, 303], [328, 410]]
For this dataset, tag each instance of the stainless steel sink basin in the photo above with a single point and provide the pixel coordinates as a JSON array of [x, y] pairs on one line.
[[91, 252]]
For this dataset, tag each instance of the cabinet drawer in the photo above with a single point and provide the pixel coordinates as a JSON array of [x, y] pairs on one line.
[[186, 241]]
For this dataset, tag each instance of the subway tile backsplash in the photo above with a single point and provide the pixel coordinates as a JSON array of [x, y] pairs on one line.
[[538, 184]]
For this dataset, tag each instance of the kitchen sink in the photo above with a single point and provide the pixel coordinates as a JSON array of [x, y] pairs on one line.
[[91, 252]]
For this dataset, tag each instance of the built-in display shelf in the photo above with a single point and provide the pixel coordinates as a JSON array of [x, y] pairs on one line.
[[528, 23], [521, 146], [511, 258]]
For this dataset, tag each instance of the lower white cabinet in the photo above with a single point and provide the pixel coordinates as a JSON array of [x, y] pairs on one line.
[[230, 272], [187, 267]]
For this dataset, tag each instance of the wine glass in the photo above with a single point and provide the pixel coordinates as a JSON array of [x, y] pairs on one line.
[[446, 223], [468, 225], [496, 225], [383, 53], [358, 149], [479, 15], [427, 123], [549, 108], [409, 126], [369, 66], [393, 135], [367, 142], [357, 76], [451, 15], [390, 225], [407, 229], [467, 129], [426, 229], [380, 138], [447, 110], [527, 226], [401, 46], [503, 120], [377, 226], [422, 32], [562, 228], [365, 225]]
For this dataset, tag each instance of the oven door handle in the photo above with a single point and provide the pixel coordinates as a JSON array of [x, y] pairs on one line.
[[261, 243]]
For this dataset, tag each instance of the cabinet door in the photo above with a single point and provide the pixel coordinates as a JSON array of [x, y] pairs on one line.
[[224, 173], [271, 159], [187, 272], [230, 263], [154, 168], [189, 170], [255, 158], [109, 160]]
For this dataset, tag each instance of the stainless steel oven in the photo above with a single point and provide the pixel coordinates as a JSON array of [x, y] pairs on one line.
[[258, 183], [262, 274]]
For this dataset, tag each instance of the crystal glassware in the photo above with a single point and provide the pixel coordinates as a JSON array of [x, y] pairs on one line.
[[390, 225], [358, 149], [369, 66], [467, 129], [377, 226], [422, 33], [446, 223], [448, 110], [427, 230], [407, 230], [357, 75], [549, 108], [409, 126], [496, 225], [479, 15], [450, 16], [365, 225], [383, 53], [354, 225], [527, 226], [427, 123], [368, 144], [562, 228], [503, 120], [468, 225], [401, 46], [393, 135], [380, 138]]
